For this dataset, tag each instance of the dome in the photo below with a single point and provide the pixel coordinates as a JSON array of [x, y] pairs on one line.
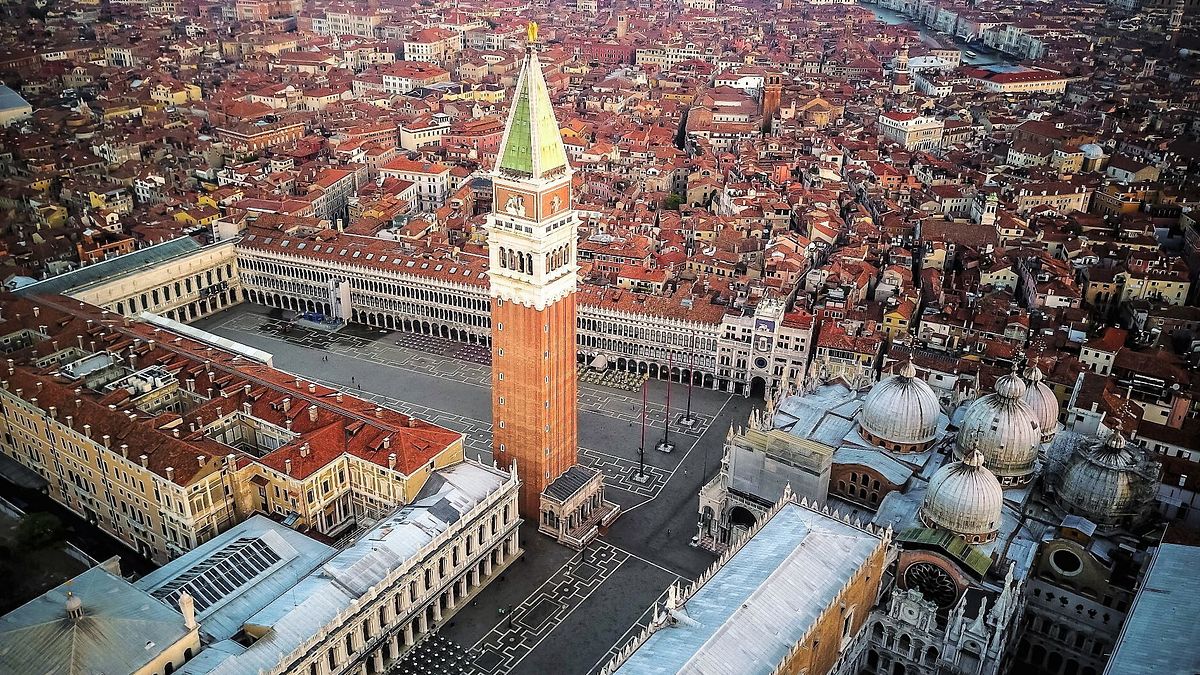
[[1103, 483], [1042, 401], [1005, 430], [965, 498], [901, 412]]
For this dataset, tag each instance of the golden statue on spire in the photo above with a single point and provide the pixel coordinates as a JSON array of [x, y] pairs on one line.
[[531, 31]]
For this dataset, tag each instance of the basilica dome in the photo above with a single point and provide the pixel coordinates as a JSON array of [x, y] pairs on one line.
[[1104, 483], [1042, 401], [966, 499], [1005, 430], [901, 412]]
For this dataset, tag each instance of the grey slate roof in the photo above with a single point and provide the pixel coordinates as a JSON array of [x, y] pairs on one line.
[[118, 622], [1161, 634]]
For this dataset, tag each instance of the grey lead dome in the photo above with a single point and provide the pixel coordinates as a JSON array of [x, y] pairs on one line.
[[966, 499], [901, 410], [1042, 401], [1005, 430]]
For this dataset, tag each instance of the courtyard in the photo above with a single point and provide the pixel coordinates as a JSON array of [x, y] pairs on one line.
[[555, 610]]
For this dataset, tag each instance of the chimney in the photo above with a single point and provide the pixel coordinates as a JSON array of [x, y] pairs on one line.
[[70, 421], [288, 424], [53, 412], [387, 442], [287, 404], [312, 413], [187, 607], [175, 432], [105, 439], [339, 397], [287, 466], [170, 473], [36, 311], [246, 388], [379, 412], [312, 388], [10, 366], [392, 461], [304, 449], [87, 430], [125, 451], [145, 460]]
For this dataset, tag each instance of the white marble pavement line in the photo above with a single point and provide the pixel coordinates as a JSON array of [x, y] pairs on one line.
[[565, 589], [618, 472], [642, 622], [683, 460], [478, 435]]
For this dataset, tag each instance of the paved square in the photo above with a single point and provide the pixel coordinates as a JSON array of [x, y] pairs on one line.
[[569, 610]]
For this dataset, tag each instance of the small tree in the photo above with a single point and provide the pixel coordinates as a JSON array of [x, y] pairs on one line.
[[38, 530], [672, 202]]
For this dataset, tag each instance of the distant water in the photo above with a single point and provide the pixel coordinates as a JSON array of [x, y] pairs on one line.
[[991, 60]]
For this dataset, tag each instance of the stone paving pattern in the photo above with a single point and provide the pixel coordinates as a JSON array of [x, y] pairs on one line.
[[571, 610]]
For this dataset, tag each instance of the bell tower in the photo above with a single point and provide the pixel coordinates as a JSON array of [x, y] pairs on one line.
[[531, 245]]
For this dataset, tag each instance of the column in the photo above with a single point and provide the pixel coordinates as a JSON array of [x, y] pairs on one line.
[[487, 564], [408, 634], [377, 659], [437, 608], [394, 644], [423, 622]]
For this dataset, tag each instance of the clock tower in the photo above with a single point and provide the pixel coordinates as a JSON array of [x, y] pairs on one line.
[[531, 246]]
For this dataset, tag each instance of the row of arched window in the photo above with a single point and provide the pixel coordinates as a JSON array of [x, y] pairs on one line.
[[516, 261]]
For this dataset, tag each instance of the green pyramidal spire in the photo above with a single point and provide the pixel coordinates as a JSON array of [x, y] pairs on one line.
[[532, 146]]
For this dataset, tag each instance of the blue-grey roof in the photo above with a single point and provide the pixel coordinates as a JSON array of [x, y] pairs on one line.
[[1161, 634], [762, 601], [11, 100], [118, 622], [891, 469], [292, 557], [106, 270]]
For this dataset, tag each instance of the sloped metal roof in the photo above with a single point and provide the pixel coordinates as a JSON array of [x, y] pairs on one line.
[[123, 628], [298, 556], [107, 270], [763, 601], [11, 100], [298, 612], [1161, 634], [532, 145]]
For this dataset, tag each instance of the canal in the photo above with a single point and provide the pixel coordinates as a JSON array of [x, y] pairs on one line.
[[984, 57]]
